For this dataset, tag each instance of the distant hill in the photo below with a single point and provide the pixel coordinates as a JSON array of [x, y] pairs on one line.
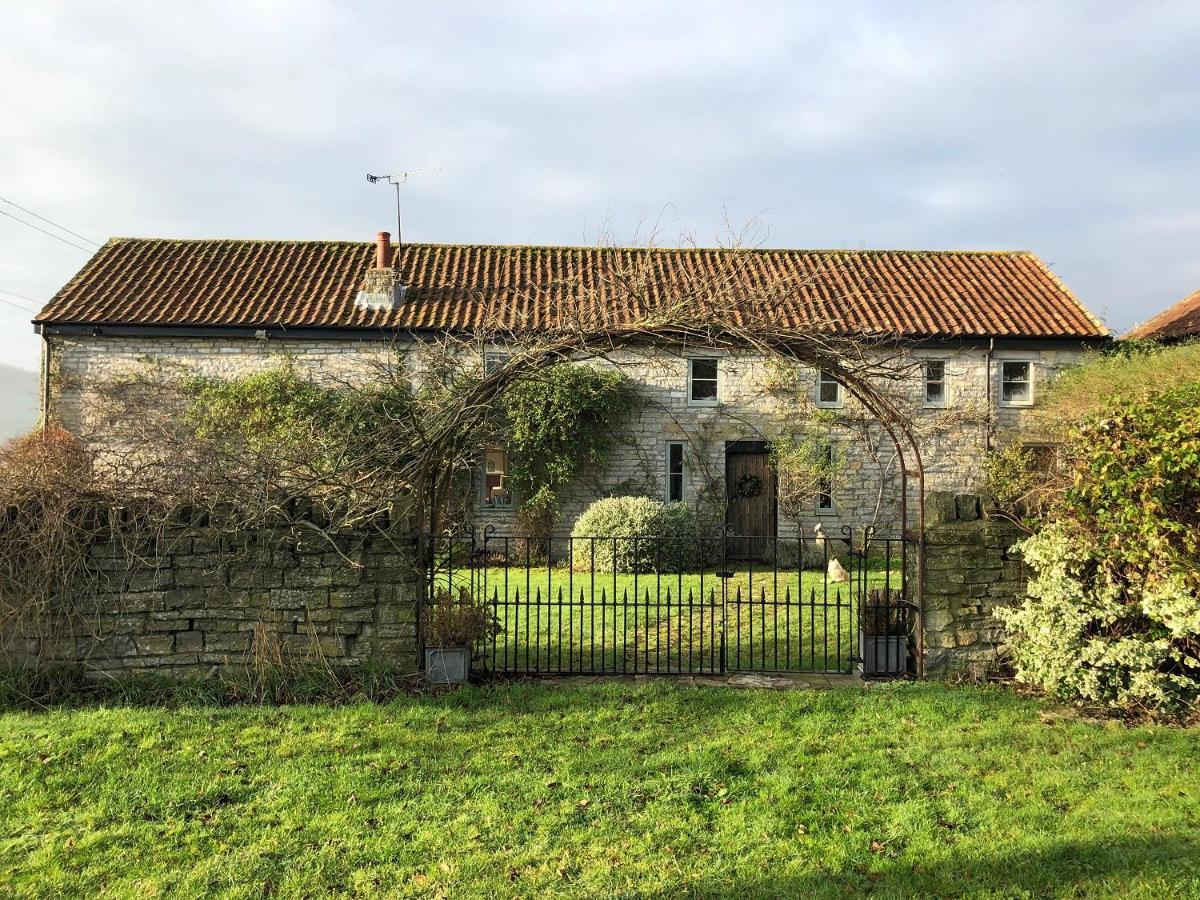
[[18, 401]]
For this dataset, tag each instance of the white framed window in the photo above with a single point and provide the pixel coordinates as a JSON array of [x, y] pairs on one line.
[[702, 381], [496, 492], [829, 391], [494, 359], [674, 491], [825, 487], [935, 383], [1016, 382]]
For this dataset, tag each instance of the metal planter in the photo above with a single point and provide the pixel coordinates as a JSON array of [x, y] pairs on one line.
[[882, 654], [448, 665]]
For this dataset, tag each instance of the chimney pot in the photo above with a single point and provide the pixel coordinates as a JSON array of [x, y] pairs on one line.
[[383, 250]]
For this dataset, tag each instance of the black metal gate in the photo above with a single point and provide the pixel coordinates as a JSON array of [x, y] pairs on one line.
[[647, 605]]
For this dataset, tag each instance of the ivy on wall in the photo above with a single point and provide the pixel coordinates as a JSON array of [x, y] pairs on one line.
[[558, 424]]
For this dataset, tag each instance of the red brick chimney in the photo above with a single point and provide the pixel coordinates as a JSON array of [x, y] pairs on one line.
[[383, 250]]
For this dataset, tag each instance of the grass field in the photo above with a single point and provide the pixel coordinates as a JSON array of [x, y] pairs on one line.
[[618, 790], [553, 619]]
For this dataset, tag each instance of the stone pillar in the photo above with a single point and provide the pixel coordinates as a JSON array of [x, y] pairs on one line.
[[970, 569]]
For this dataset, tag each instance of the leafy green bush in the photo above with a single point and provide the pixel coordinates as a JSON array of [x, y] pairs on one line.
[[636, 534], [1024, 481], [1113, 612]]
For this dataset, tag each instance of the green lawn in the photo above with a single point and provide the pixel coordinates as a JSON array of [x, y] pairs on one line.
[[553, 619], [621, 790]]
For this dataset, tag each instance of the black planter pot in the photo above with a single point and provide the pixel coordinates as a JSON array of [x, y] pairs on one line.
[[884, 654]]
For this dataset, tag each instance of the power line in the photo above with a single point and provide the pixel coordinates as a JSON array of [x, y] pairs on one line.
[[50, 222], [22, 297], [18, 306], [47, 233]]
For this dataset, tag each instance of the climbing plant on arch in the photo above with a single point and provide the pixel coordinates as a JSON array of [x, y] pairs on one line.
[[631, 309]]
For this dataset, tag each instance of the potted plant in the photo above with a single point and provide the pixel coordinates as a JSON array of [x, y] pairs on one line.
[[884, 624], [455, 622]]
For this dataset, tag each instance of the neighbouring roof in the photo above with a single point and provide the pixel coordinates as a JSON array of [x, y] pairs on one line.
[[1180, 321], [312, 284]]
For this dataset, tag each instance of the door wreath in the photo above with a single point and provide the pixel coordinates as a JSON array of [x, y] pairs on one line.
[[748, 486]]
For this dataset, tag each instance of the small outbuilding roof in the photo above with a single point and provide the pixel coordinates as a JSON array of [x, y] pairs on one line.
[[1180, 321]]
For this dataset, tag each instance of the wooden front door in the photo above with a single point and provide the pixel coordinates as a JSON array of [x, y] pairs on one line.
[[750, 499]]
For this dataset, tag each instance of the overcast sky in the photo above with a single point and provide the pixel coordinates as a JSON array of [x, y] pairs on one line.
[[1069, 129]]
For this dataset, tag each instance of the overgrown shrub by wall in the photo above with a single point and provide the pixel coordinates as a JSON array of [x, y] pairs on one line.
[[1113, 614]]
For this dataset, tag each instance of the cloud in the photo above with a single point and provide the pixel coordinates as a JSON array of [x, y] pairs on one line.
[[1068, 128]]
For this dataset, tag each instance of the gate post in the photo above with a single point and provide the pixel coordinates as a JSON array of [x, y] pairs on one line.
[[972, 570]]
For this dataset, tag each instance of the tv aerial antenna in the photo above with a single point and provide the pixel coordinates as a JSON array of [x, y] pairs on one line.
[[396, 180]]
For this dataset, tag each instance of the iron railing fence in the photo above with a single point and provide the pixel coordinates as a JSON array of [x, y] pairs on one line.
[[643, 604]]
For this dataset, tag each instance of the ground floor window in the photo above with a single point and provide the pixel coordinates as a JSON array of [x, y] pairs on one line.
[[493, 360], [1042, 457], [495, 479], [674, 471], [825, 486]]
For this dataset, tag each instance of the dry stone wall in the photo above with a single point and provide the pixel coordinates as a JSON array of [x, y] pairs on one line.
[[970, 570], [196, 602]]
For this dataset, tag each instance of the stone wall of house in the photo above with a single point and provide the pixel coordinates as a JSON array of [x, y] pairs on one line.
[[198, 600], [758, 400], [970, 570]]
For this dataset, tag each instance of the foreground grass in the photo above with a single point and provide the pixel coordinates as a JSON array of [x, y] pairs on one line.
[[612, 790]]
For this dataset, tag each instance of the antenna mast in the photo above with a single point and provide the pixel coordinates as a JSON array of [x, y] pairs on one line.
[[396, 180]]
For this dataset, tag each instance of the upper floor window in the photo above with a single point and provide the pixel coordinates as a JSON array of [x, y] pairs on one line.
[[829, 391], [702, 382], [674, 471], [495, 479], [1016, 382], [935, 383]]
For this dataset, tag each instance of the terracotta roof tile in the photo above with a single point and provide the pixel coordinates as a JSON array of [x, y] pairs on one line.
[[1180, 321], [313, 284]]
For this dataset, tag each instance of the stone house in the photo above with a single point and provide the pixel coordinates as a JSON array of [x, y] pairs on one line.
[[984, 331]]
